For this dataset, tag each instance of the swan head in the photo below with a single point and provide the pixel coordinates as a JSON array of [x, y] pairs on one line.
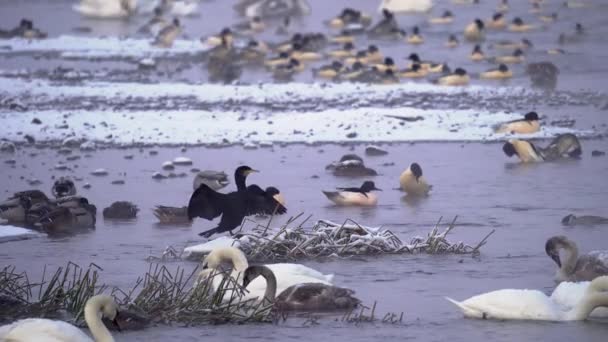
[[255, 271], [105, 305], [553, 246], [222, 255]]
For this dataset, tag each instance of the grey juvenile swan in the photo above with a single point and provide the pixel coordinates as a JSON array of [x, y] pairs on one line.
[[302, 297], [575, 267]]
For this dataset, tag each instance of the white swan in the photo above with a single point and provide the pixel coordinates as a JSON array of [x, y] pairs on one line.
[[567, 294], [533, 304], [287, 274], [106, 8], [400, 6], [39, 329]]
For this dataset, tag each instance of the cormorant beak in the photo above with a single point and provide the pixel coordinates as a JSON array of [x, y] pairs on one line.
[[115, 322], [251, 171], [377, 189]]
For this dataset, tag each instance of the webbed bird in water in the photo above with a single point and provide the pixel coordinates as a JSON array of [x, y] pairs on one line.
[[362, 196], [235, 206]]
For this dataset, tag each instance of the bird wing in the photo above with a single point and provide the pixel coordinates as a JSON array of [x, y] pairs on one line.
[[260, 202], [204, 203]]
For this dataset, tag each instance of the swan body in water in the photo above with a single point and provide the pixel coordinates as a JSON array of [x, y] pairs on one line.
[[567, 294], [514, 304], [110, 9], [575, 267], [39, 329], [303, 296], [286, 274]]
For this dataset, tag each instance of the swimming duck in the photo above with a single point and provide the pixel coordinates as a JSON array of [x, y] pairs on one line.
[[477, 55], [518, 25], [388, 64], [235, 206], [281, 59], [452, 42], [413, 183], [15, 208], [310, 297], [516, 58], [529, 124], [515, 304], [353, 73], [386, 77], [350, 16], [446, 18], [71, 215], [300, 54], [361, 196], [348, 50], [576, 267], [385, 26], [406, 6], [458, 78], [474, 32], [254, 53], [415, 38], [584, 220], [525, 150], [63, 187], [579, 33], [500, 73], [224, 38], [255, 25], [343, 38], [167, 35], [373, 54], [350, 165], [427, 65], [497, 22], [415, 71], [329, 71], [106, 8], [27, 30], [503, 6], [360, 57], [120, 210], [276, 8], [285, 72], [548, 18], [510, 45]]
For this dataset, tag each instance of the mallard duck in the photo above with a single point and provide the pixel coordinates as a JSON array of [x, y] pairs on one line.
[[63, 187], [15, 208], [72, 214], [121, 210]]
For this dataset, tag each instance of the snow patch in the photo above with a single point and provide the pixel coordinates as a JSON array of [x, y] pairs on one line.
[[12, 233]]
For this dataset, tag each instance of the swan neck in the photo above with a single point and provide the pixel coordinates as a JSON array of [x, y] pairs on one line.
[[569, 263], [589, 302], [271, 283], [92, 315]]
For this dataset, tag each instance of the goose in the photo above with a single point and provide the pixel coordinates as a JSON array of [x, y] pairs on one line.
[[303, 296], [446, 18], [110, 9], [233, 207], [452, 42], [63, 187], [404, 6], [518, 25], [413, 183], [40, 329], [477, 55], [215, 180], [568, 294], [585, 220], [576, 267], [15, 208], [361, 196], [529, 124], [516, 58], [286, 274], [458, 78], [497, 22], [167, 35], [511, 304], [415, 38], [474, 32], [500, 73]]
